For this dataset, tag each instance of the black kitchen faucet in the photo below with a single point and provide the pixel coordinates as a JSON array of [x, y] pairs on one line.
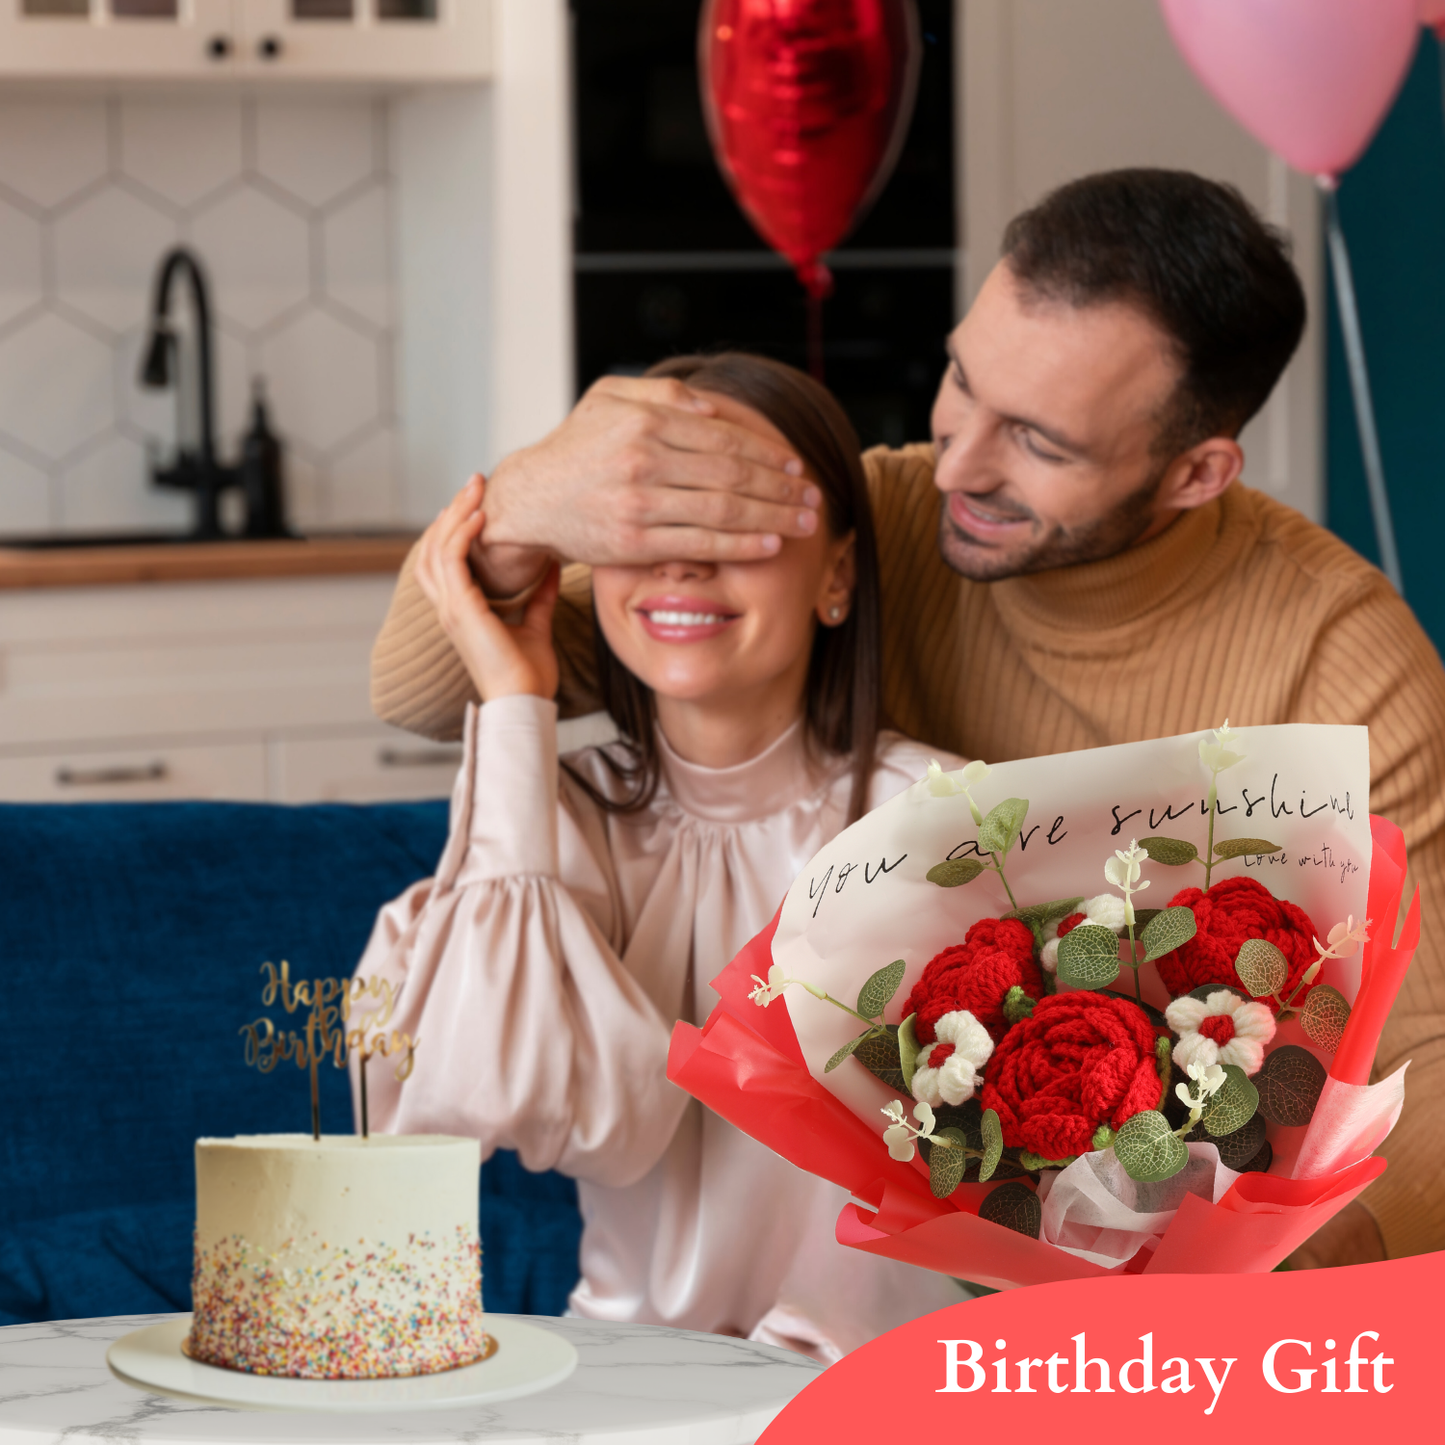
[[198, 469]]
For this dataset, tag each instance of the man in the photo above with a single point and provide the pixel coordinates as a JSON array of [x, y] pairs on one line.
[[1098, 573]]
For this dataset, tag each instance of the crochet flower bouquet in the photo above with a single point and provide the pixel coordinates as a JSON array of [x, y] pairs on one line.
[[965, 1014]]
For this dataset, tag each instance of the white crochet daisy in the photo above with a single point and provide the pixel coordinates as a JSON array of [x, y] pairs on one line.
[[948, 1071], [1221, 1029], [1107, 910]]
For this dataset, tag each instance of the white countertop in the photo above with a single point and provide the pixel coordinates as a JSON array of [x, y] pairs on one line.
[[635, 1383]]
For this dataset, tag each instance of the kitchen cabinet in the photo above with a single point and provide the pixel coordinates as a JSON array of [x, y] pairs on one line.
[[235, 771], [251, 690], [254, 40]]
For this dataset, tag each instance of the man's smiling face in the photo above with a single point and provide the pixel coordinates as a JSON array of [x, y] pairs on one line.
[[1047, 428]]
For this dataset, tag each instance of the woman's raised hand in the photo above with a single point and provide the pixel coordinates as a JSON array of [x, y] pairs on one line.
[[503, 660]]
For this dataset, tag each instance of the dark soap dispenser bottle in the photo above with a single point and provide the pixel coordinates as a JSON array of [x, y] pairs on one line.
[[262, 473]]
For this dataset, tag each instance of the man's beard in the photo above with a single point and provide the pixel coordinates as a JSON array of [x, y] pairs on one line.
[[1116, 531]]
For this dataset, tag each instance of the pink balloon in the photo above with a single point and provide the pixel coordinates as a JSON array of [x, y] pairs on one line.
[[1312, 79]]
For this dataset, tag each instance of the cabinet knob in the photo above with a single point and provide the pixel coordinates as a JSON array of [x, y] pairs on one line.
[[269, 47], [218, 47]]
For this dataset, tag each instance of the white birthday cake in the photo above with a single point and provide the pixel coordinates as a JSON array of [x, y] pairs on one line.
[[343, 1258]]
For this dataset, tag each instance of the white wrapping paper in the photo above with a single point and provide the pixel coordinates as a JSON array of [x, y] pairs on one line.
[[1350, 1122], [1094, 1210], [864, 900]]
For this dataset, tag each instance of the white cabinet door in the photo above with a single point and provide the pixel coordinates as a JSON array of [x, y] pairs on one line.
[[89, 666], [385, 764], [118, 39], [230, 771], [380, 766], [367, 39]]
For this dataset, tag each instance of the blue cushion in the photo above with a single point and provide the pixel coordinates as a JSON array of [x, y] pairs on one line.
[[134, 939], [137, 1259]]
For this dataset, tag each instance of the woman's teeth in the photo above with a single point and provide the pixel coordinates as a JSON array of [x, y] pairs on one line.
[[686, 619]]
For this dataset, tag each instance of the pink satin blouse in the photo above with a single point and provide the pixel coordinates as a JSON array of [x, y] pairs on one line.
[[542, 970]]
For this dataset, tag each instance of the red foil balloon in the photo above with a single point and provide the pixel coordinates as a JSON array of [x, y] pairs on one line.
[[808, 102]]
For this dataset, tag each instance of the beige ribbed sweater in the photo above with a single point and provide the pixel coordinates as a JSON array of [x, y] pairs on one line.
[[1241, 609]]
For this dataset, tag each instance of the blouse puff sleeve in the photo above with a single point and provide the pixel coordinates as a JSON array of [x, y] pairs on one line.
[[530, 1034]]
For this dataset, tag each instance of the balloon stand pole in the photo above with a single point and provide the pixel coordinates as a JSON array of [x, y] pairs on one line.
[[1360, 387], [815, 335]]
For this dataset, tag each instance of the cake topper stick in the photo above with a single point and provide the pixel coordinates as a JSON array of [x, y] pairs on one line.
[[361, 1074], [384, 1046], [315, 1084]]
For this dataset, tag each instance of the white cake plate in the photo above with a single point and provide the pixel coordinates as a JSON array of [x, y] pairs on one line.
[[527, 1361]]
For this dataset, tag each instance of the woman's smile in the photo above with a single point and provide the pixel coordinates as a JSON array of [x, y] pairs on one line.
[[672, 618]]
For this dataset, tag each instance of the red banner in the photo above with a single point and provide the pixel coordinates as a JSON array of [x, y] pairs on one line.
[[1329, 1355]]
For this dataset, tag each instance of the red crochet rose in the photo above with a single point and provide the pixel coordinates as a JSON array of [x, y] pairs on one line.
[[1080, 1060], [996, 955], [1234, 910]]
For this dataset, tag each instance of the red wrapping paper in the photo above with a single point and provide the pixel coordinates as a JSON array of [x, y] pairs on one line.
[[1383, 968], [745, 1064]]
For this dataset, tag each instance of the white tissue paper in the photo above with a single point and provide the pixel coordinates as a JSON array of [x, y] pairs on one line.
[[1349, 1123], [1092, 1209]]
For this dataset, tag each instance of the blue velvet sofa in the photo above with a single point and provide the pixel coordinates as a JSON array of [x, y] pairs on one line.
[[131, 940]]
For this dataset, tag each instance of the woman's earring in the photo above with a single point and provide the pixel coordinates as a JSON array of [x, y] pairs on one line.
[[834, 613]]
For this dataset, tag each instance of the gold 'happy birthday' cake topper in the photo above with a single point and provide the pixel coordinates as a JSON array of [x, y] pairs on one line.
[[329, 1031]]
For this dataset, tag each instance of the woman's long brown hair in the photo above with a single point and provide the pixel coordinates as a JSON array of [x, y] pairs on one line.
[[842, 698]]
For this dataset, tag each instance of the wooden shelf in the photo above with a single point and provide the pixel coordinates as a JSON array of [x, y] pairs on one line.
[[201, 561]]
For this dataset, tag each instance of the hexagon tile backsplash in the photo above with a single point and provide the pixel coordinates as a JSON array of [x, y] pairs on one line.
[[289, 203]]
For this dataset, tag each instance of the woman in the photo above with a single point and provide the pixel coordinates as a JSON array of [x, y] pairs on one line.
[[581, 908]]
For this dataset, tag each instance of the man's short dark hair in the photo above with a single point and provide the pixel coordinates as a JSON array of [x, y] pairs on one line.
[[1197, 258]]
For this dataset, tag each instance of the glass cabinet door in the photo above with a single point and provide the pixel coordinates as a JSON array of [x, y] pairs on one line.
[[360, 39], [379, 40], [117, 39]]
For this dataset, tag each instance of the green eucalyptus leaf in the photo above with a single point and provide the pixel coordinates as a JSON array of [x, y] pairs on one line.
[[954, 872], [908, 1047], [1172, 852], [1235, 1149], [1000, 829], [1089, 956], [1232, 1106], [1261, 1161], [1246, 848], [1143, 917], [1289, 1085], [967, 1116], [843, 1053], [1261, 967], [1040, 915], [874, 996], [1014, 1206], [878, 1053], [992, 1145], [1166, 931], [1034, 1162], [946, 1166], [1149, 1149], [1324, 1016]]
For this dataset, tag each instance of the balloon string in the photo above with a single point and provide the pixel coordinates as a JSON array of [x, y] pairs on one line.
[[1360, 387], [815, 335]]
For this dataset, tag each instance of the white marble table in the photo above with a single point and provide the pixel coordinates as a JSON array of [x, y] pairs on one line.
[[634, 1383]]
